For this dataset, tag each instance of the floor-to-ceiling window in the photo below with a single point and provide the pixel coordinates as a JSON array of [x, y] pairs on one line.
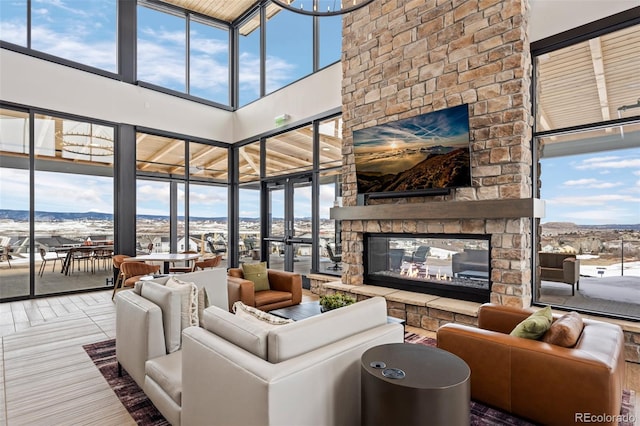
[[294, 178], [77, 30], [290, 50], [249, 217], [181, 196], [588, 145], [57, 204], [330, 194], [288, 58], [208, 201], [249, 64], [14, 203], [183, 52]]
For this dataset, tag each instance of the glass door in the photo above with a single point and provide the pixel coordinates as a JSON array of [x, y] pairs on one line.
[[289, 234]]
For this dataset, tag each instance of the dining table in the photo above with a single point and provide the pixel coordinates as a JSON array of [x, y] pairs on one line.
[[166, 258], [86, 250]]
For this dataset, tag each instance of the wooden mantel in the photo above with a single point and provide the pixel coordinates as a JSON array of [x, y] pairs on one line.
[[475, 209]]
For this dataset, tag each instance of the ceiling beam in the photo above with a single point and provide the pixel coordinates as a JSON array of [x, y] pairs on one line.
[[597, 62]]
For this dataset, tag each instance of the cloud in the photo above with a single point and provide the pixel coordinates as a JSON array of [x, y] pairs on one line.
[[599, 217], [592, 183], [594, 200], [609, 163]]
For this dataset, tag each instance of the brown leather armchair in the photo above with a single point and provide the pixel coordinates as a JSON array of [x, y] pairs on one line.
[[285, 290], [542, 382]]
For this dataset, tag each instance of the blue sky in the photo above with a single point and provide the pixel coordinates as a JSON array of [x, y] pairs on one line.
[[593, 189]]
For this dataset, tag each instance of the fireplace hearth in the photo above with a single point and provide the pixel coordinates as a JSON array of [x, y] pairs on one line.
[[449, 265]]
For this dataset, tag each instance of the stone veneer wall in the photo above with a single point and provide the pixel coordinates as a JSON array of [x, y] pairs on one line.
[[403, 58]]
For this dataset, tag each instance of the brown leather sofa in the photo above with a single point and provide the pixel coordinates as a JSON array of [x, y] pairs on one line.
[[285, 290], [545, 383], [561, 268]]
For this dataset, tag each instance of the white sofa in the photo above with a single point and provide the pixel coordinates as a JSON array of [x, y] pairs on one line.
[[231, 371]]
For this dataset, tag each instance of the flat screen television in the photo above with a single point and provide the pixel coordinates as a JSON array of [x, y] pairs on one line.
[[425, 154]]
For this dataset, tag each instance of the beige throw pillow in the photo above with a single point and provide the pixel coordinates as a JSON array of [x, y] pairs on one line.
[[189, 301], [264, 319]]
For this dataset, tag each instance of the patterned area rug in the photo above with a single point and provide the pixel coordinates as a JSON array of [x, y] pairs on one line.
[[103, 355]]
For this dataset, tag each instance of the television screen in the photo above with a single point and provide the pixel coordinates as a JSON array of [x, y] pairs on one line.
[[418, 154]]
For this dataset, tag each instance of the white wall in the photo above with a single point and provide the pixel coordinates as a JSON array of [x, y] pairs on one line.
[[318, 93], [549, 17], [34, 82]]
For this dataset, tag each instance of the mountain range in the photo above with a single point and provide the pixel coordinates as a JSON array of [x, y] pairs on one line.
[[438, 170]]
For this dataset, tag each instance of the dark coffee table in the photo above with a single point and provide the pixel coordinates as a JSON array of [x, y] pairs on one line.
[[311, 309], [410, 384], [298, 312]]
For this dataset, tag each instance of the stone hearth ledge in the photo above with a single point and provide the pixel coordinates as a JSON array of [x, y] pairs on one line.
[[420, 310], [409, 298]]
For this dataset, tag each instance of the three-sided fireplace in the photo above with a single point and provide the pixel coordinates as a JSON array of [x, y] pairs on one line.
[[449, 265]]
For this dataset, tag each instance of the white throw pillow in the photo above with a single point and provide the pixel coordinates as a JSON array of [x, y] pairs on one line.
[[189, 297], [262, 318]]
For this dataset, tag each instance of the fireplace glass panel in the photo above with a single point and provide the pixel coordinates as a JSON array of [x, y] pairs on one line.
[[455, 266]]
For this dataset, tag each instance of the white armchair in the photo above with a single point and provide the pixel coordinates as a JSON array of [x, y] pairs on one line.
[[149, 326]]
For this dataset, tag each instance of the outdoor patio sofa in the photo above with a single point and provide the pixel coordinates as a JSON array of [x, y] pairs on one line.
[[470, 260], [561, 268]]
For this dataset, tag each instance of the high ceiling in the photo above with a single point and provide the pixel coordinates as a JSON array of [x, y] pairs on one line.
[[224, 10]]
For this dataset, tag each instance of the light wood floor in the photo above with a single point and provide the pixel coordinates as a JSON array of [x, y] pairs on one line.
[[46, 377]]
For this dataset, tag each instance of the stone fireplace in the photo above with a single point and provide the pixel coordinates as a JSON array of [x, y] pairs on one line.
[[455, 265], [404, 58]]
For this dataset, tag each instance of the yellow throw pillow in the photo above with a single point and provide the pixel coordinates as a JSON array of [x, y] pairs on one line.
[[535, 325], [257, 273]]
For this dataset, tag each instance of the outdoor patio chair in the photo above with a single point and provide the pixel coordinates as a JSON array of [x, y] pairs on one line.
[[6, 255], [335, 258], [43, 256]]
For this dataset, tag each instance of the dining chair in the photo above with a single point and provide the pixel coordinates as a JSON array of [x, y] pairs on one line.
[[43, 256], [212, 262], [80, 255], [117, 260], [133, 271], [173, 269], [101, 257]]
